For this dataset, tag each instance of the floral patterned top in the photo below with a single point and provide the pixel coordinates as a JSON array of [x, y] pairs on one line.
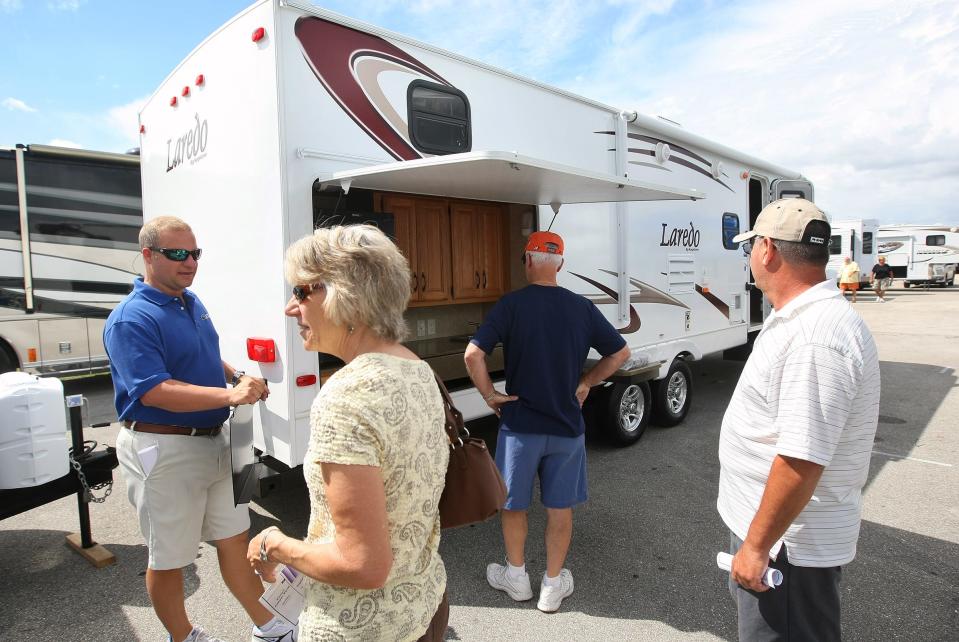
[[385, 411]]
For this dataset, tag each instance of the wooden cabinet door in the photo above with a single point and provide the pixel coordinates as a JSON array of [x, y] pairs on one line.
[[492, 246], [404, 221], [432, 250], [466, 252]]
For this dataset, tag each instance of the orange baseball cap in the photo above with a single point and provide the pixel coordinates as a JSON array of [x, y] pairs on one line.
[[548, 242]]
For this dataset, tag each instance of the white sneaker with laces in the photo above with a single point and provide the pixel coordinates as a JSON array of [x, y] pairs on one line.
[[550, 597], [517, 588], [199, 635], [288, 636]]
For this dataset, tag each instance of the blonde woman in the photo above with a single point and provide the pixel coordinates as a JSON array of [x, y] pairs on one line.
[[377, 456]]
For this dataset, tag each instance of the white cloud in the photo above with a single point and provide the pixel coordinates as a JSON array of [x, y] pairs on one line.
[[123, 123], [15, 104], [66, 5], [62, 142], [11, 6], [860, 96]]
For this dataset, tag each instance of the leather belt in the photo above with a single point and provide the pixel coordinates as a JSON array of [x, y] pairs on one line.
[[163, 429]]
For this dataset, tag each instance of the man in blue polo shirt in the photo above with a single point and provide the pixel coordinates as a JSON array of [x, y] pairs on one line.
[[171, 395], [547, 332]]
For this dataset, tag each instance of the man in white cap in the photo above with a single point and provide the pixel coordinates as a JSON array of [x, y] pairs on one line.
[[797, 435]]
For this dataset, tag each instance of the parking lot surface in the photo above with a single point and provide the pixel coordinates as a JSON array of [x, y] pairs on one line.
[[644, 545]]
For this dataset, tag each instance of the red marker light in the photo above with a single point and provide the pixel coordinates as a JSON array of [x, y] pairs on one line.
[[261, 349], [173, 102], [305, 380], [259, 34], [143, 129], [186, 91], [199, 80]]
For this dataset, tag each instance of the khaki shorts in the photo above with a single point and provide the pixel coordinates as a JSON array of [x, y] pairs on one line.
[[182, 489]]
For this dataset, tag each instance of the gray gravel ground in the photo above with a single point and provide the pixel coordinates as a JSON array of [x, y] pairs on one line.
[[644, 545]]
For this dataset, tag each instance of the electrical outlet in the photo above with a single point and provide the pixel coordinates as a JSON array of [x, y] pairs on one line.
[[421, 328], [430, 327]]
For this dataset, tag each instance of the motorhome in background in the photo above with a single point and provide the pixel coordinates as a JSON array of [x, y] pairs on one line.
[[921, 254], [69, 221], [357, 124], [855, 238]]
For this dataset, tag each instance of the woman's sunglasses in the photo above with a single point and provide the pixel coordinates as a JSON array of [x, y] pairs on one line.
[[178, 254], [301, 292]]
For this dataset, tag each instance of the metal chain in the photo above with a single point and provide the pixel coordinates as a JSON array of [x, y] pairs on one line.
[[87, 490]]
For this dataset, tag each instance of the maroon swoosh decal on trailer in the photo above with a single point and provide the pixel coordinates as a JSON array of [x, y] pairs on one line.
[[634, 321], [715, 300], [331, 51]]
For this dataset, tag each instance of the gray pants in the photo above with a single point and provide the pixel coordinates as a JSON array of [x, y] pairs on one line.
[[804, 607]]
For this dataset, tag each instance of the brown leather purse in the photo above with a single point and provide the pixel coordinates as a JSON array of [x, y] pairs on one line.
[[474, 488]]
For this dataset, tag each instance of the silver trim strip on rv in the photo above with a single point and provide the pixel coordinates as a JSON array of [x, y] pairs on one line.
[[505, 177], [24, 232], [85, 154]]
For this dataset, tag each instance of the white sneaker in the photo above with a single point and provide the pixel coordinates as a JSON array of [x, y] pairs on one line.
[[550, 597], [288, 636], [199, 635], [517, 588]]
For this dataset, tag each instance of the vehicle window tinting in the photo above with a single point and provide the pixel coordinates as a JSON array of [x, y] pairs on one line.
[[730, 229], [936, 239], [835, 244], [867, 242], [439, 118]]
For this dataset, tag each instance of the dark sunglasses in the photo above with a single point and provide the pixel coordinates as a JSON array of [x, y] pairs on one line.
[[178, 254], [301, 292]]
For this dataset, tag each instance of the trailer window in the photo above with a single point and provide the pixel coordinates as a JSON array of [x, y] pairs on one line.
[[730, 229], [835, 244], [439, 118], [936, 239], [9, 202], [867, 242]]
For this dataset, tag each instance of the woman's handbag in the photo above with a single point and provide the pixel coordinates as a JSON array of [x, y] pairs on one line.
[[474, 488]]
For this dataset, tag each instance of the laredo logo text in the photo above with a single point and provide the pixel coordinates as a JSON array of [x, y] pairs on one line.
[[687, 237], [191, 146]]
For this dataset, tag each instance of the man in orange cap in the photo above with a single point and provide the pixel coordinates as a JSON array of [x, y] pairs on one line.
[[547, 332]]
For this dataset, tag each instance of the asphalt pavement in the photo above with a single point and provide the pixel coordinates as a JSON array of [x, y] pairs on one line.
[[644, 545]]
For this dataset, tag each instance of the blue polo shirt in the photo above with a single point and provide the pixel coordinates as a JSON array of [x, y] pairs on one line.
[[151, 337], [546, 333]]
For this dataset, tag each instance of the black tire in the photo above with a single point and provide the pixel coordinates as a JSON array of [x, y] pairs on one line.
[[672, 395], [906, 284], [8, 362], [627, 412]]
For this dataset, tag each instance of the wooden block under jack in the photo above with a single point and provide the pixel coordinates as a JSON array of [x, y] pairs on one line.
[[96, 554]]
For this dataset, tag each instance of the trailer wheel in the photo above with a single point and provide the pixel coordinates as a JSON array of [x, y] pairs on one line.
[[673, 395], [627, 412], [8, 361], [906, 284]]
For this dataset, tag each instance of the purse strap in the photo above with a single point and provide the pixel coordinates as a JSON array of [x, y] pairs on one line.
[[455, 427]]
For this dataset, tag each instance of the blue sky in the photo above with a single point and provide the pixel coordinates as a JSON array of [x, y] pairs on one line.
[[859, 95]]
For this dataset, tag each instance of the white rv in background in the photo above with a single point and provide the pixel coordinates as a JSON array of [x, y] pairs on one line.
[[921, 254], [69, 221], [290, 117], [855, 238]]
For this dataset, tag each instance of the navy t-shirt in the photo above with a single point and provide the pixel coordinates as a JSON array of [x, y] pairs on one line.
[[151, 337], [546, 332]]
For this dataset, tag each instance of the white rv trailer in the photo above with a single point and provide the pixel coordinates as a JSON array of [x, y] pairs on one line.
[[855, 238], [69, 221], [921, 254], [290, 117]]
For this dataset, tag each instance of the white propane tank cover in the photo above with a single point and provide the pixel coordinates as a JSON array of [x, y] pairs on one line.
[[33, 432]]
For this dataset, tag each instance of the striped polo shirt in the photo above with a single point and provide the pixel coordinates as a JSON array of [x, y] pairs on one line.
[[809, 390]]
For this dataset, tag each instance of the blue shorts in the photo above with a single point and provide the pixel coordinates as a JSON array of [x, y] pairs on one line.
[[559, 461]]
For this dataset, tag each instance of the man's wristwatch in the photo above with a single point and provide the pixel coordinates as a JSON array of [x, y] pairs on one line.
[[237, 375], [263, 556]]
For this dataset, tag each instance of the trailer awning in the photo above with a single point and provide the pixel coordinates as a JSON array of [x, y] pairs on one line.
[[505, 177]]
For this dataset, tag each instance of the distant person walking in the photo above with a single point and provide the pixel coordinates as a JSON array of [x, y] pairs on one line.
[[547, 332], [171, 395], [849, 278], [881, 279], [796, 438]]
